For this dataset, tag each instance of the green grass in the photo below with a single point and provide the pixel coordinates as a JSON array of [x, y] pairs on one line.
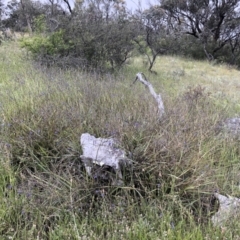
[[178, 162]]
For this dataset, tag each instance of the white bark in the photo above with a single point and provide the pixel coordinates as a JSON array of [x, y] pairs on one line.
[[229, 210], [157, 97], [102, 151]]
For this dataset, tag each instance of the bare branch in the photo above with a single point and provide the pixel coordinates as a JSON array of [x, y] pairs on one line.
[[157, 97], [68, 5]]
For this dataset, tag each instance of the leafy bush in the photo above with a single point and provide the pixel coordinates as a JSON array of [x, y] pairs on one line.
[[46, 45], [92, 37], [40, 24]]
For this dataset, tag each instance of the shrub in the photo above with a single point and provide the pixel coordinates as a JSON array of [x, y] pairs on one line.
[[98, 39], [51, 45], [40, 24]]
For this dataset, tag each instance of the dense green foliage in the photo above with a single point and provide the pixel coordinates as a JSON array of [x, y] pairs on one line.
[[93, 37], [51, 45], [102, 34]]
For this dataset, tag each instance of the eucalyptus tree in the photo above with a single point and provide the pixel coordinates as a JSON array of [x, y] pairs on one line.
[[215, 23], [156, 34], [21, 14]]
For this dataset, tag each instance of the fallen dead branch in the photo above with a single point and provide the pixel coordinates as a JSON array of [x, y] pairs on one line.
[[142, 78]]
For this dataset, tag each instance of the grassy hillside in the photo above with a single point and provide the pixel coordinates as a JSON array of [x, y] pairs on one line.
[[178, 162]]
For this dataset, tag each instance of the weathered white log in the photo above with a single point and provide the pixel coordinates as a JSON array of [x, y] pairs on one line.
[[157, 97], [102, 151], [229, 209]]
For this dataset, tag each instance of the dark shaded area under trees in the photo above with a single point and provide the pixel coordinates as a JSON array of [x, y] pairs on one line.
[[102, 34]]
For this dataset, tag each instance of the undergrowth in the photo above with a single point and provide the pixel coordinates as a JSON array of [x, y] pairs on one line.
[[178, 162]]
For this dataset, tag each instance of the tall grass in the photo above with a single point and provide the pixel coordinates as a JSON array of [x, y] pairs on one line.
[[178, 162]]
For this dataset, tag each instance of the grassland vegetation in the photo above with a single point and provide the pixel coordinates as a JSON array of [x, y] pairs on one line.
[[178, 162]]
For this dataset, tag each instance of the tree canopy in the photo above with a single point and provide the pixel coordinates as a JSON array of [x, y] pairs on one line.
[[103, 33], [216, 23]]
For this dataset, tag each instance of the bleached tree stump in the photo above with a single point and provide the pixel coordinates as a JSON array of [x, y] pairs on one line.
[[102, 151], [141, 77], [229, 210]]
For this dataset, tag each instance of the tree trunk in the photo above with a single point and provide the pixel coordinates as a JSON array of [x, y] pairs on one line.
[[26, 15]]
